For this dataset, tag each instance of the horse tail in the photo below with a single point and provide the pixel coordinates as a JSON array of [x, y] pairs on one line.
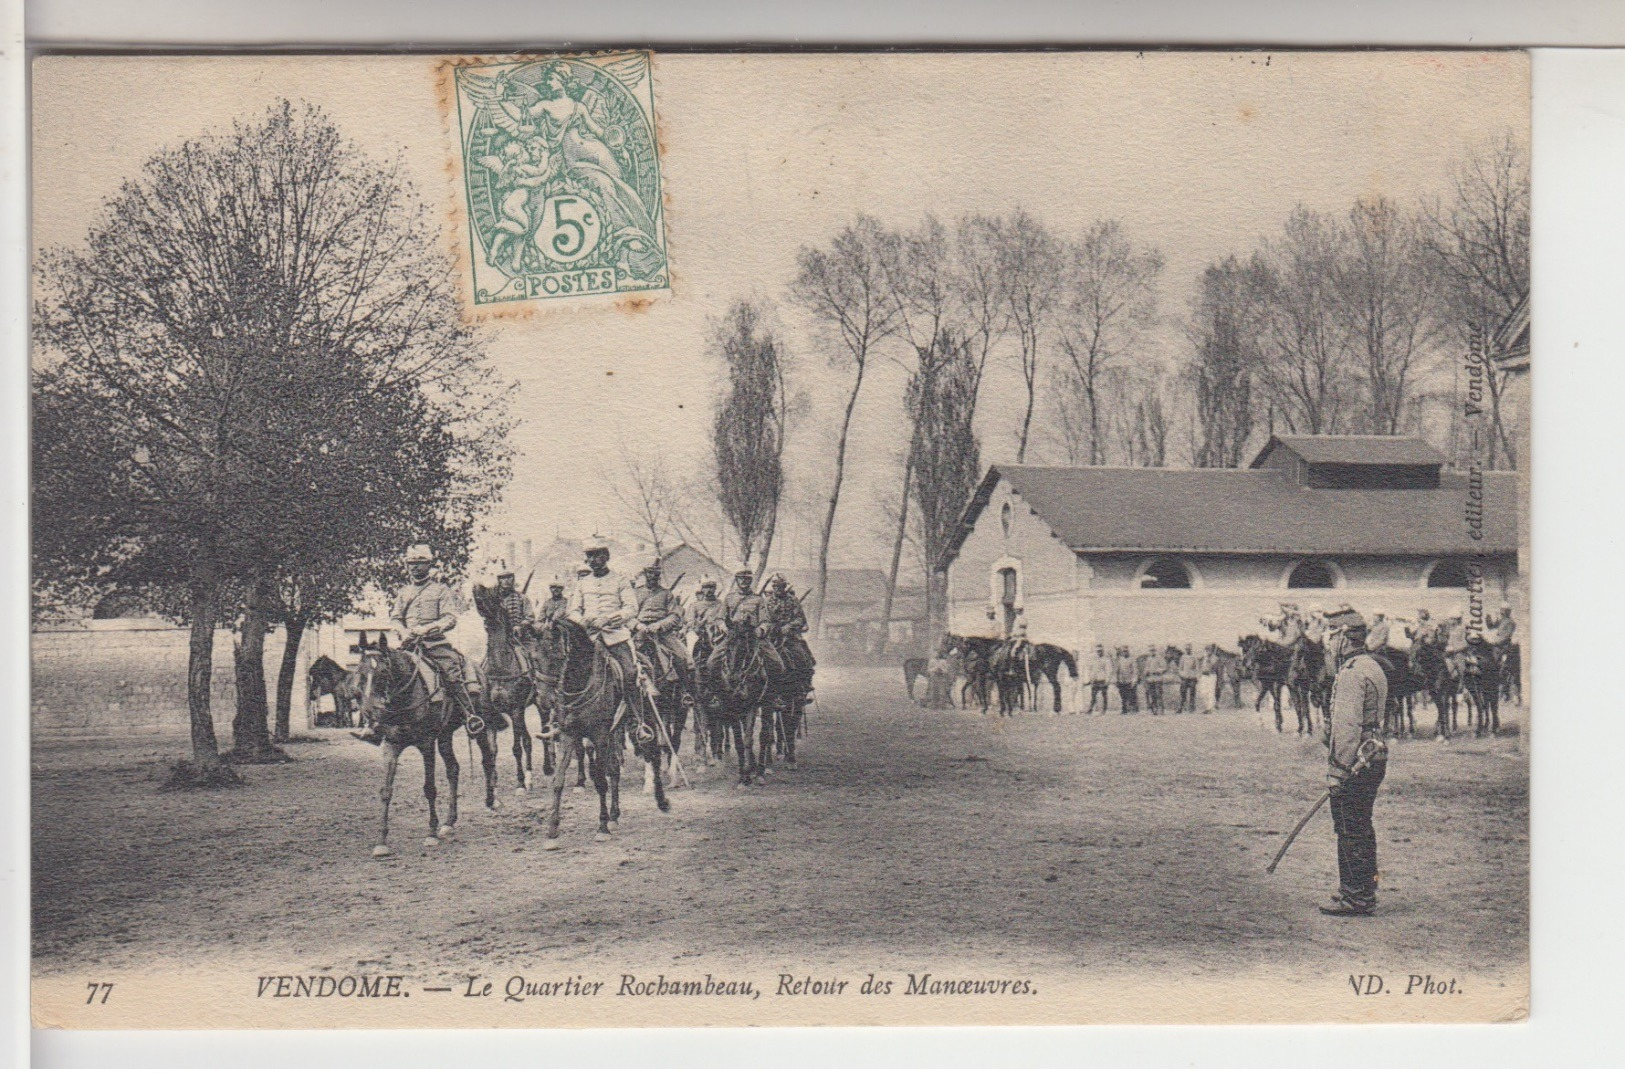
[[1071, 664]]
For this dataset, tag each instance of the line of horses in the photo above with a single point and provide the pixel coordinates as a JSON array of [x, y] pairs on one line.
[[746, 698], [1476, 683]]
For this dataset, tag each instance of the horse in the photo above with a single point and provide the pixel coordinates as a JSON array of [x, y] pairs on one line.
[[507, 674], [1481, 683], [739, 687], [1511, 672], [1309, 682], [1226, 667], [395, 696], [1267, 664], [669, 703], [1432, 670], [579, 681], [915, 668], [327, 678], [1399, 719], [977, 667]]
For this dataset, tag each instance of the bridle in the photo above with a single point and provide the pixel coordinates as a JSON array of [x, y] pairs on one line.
[[370, 660]]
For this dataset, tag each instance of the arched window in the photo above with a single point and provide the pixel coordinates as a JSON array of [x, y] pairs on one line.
[[1165, 574], [1448, 574], [1312, 574], [1007, 596], [1004, 519]]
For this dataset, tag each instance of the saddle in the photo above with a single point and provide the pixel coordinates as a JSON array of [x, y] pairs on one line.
[[429, 675]]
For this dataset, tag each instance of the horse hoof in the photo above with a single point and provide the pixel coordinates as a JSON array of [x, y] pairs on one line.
[[447, 831], [550, 844], [601, 836], [431, 842], [521, 789], [614, 825], [495, 805], [381, 852]]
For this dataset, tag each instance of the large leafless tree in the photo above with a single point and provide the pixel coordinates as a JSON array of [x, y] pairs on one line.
[[844, 288], [1225, 336], [1109, 302]]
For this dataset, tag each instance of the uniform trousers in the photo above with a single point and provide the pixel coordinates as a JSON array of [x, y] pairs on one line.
[[1097, 691], [1356, 837]]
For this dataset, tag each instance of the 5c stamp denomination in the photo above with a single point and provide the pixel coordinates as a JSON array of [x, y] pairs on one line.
[[560, 178]]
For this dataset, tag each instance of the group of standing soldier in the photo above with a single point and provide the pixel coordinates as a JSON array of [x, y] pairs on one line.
[[1148, 674]]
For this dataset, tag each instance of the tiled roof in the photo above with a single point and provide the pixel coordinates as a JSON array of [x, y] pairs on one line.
[[1102, 508], [1356, 450]]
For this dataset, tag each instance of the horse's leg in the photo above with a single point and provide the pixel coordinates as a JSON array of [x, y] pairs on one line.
[[448, 753], [605, 763], [765, 740], [792, 721], [392, 761], [582, 757], [521, 749], [561, 774], [661, 801], [430, 792], [488, 763], [1055, 684], [741, 743]]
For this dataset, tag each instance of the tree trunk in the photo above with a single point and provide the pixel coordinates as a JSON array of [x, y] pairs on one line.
[[834, 502], [1027, 418], [199, 672], [896, 556], [295, 625], [250, 729]]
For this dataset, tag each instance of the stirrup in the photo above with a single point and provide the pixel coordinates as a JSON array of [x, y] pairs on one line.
[[475, 725], [549, 731], [641, 733]]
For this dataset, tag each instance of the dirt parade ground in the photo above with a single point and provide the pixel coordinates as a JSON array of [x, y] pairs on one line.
[[1056, 849]]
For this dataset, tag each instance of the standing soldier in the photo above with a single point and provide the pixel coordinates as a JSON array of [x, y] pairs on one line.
[[424, 612], [605, 604], [1100, 674], [1190, 669], [786, 622], [1127, 672], [1152, 669], [1357, 760], [555, 607], [660, 618]]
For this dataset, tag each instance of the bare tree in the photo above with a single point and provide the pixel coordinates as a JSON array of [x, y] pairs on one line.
[[1388, 300], [1030, 261], [1109, 301], [748, 432], [844, 288], [1308, 368], [1142, 421], [1224, 332], [1478, 242], [648, 497]]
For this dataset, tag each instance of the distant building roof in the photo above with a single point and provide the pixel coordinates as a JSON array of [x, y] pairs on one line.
[[846, 586], [1354, 450], [1252, 511]]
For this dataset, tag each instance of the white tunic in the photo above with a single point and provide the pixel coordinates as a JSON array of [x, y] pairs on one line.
[[596, 599]]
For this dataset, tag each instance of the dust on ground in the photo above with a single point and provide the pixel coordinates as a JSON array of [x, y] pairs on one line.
[[910, 837]]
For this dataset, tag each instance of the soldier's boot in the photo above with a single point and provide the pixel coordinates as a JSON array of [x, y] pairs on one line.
[[458, 692], [373, 735]]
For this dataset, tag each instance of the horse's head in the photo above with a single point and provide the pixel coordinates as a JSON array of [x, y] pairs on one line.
[[381, 672], [488, 602]]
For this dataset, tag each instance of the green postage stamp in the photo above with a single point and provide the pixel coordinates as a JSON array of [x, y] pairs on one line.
[[561, 178]]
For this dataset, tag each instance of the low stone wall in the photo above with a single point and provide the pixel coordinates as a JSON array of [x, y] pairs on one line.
[[129, 677]]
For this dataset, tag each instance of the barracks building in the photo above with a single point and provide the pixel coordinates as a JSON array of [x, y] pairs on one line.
[[1100, 554]]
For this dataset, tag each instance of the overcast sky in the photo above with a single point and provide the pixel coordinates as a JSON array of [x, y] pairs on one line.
[[1197, 154]]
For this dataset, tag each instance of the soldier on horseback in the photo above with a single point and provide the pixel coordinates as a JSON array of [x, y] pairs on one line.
[[513, 603], [555, 606], [1423, 630], [423, 614], [786, 622], [706, 618], [605, 605], [660, 621]]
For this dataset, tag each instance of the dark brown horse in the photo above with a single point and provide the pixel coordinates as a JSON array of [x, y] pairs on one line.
[[328, 679], [395, 697], [510, 688], [1432, 670], [741, 691], [583, 686], [1268, 664]]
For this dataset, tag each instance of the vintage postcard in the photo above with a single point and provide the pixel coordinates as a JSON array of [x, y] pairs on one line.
[[644, 539]]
